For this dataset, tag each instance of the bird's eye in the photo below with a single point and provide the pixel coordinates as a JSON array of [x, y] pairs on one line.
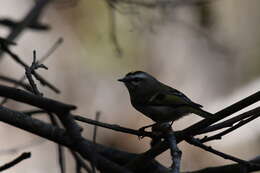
[[136, 81]]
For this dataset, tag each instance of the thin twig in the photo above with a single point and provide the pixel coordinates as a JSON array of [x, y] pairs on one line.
[[42, 59], [230, 122], [12, 24], [112, 27], [31, 17], [16, 82], [22, 147], [95, 137], [51, 50], [221, 134], [229, 168], [22, 157], [31, 70], [39, 77], [80, 163], [33, 112], [197, 143], [60, 149], [97, 116], [114, 127], [158, 4], [61, 158]]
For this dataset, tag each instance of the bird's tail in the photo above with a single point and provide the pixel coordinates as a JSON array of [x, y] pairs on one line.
[[201, 112]]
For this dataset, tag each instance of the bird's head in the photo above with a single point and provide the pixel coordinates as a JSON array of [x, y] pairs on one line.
[[139, 83]]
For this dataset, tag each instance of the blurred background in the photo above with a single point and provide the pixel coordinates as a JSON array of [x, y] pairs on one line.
[[209, 51]]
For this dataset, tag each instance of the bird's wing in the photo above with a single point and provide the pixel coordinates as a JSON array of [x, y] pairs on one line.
[[172, 97]]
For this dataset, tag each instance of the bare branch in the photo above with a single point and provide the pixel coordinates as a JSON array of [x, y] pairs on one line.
[[197, 143], [80, 163], [39, 77], [114, 127], [230, 122], [84, 147], [16, 82], [31, 70], [31, 99], [221, 134], [32, 17], [230, 168], [61, 158], [20, 158], [42, 59], [175, 153]]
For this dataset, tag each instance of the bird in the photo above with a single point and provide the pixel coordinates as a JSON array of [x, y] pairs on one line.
[[159, 102]]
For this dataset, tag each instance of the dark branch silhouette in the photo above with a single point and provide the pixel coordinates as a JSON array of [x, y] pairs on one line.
[[20, 158]]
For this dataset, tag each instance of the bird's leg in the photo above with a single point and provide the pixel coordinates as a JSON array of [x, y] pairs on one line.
[[157, 128], [142, 129]]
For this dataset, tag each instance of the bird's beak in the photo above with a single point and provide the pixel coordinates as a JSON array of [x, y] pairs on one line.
[[124, 79]]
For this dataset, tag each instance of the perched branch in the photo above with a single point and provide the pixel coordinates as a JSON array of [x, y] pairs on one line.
[[22, 157]]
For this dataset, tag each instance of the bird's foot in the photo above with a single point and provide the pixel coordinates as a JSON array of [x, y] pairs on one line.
[[142, 131]]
